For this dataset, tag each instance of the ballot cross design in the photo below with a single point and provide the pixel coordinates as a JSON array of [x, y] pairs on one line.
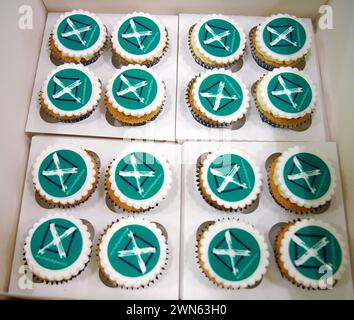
[[310, 252], [66, 89], [75, 31], [217, 37], [228, 178], [131, 88], [136, 174], [137, 252], [59, 172], [231, 252], [137, 35], [219, 96], [288, 92], [281, 36], [304, 175], [57, 240]]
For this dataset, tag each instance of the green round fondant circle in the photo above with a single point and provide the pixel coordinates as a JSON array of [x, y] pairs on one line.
[[69, 89], [129, 263], [150, 180], [51, 253], [135, 89], [62, 173], [139, 35], [231, 177], [324, 262], [307, 176], [78, 32], [220, 94], [219, 38], [289, 92], [284, 36], [236, 267]]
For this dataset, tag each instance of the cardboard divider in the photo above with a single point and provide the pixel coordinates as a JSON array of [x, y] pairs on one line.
[[88, 284], [195, 212], [187, 128], [97, 125]]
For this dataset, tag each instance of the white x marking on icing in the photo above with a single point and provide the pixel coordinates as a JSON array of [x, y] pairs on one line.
[[59, 172], [230, 252], [131, 88], [75, 31], [218, 96], [135, 34], [311, 252], [287, 92], [217, 37], [66, 89], [57, 240], [136, 174], [304, 174], [281, 36], [136, 251], [228, 178]]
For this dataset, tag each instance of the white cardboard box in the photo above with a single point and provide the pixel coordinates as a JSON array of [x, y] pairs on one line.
[[195, 211], [162, 128], [333, 49], [187, 128], [88, 285]]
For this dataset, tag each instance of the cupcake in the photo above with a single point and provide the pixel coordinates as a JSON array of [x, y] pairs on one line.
[[70, 93], [232, 254], [78, 36], [279, 41], [132, 253], [285, 97], [310, 254], [139, 38], [216, 41], [65, 175], [138, 179], [217, 98], [57, 248], [229, 180], [135, 95], [301, 180]]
